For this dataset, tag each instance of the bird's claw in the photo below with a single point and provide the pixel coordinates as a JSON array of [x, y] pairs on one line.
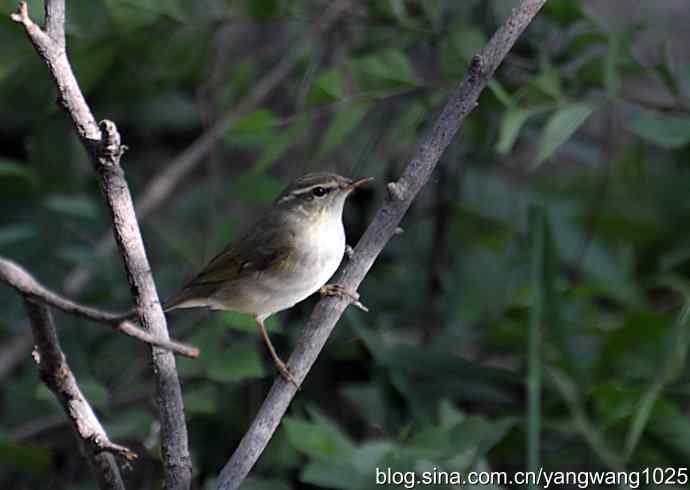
[[338, 290], [286, 373]]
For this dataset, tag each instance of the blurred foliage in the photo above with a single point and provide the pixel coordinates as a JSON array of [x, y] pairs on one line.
[[437, 374]]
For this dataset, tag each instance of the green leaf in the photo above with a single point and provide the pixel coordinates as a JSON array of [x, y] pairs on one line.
[[674, 361], [513, 120], [549, 81], [17, 233], [328, 87], [368, 455], [342, 125], [560, 126], [661, 129], [255, 129], [670, 425], [500, 93], [565, 12], [328, 474], [239, 362], [76, 206], [591, 433], [15, 170], [279, 144], [320, 440], [462, 44], [369, 401], [480, 434], [256, 121], [389, 68]]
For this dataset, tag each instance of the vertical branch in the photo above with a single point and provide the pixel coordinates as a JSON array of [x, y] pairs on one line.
[[55, 23], [105, 148], [56, 374]]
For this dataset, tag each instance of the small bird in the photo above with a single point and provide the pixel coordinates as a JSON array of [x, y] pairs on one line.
[[286, 256]]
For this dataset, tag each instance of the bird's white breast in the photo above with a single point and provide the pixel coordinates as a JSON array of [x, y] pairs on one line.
[[319, 249], [326, 239]]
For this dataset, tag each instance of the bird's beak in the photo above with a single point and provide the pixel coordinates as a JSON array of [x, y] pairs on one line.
[[357, 183]]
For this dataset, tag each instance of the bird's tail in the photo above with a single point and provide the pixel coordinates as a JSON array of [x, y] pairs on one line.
[[189, 297]]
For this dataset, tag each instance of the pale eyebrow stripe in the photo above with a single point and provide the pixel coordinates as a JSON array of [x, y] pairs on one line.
[[330, 186]]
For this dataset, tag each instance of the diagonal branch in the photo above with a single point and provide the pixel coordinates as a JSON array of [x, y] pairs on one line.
[[15, 276], [56, 374], [102, 142], [400, 195]]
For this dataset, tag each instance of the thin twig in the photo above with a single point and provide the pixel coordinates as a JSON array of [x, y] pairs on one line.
[[56, 374], [102, 142], [17, 277], [383, 227]]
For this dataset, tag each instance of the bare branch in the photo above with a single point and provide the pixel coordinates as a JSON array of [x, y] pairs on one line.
[[103, 144], [383, 227], [55, 22], [55, 56], [17, 277], [56, 374]]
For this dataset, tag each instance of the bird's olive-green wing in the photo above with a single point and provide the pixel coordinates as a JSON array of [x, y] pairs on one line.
[[262, 248], [243, 260]]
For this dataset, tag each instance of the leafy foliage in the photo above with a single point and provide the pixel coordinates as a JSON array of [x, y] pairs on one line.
[[437, 374]]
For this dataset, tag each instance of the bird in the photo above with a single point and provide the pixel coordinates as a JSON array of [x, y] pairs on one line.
[[286, 256]]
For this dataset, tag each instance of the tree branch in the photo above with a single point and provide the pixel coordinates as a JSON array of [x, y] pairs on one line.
[[56, 374], [400, 196], [14, 275], [103, 144]]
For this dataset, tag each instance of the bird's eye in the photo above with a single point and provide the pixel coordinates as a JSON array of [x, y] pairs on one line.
[[319, 191]]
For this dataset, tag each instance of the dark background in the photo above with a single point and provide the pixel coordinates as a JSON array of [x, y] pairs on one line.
[[566, 192]]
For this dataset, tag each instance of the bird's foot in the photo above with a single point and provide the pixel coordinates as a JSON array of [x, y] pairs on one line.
[[338, 290], [286, 373]]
